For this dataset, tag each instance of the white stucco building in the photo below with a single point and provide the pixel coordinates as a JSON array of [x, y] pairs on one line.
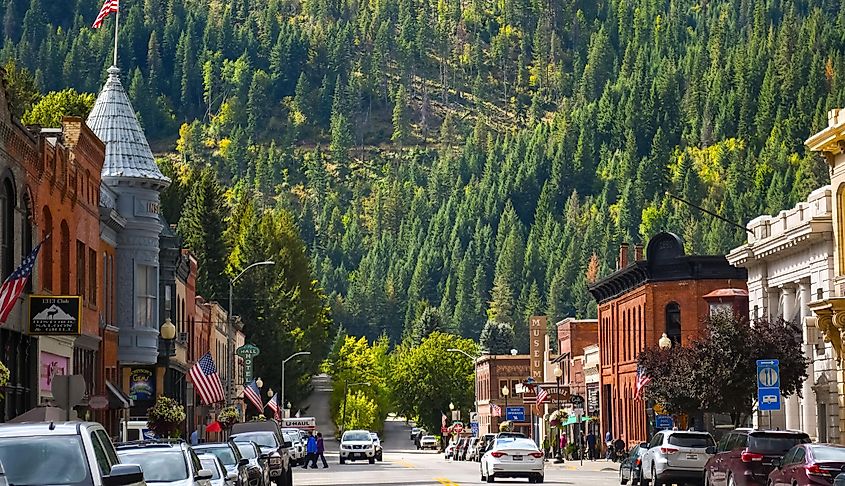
[[789, 258]]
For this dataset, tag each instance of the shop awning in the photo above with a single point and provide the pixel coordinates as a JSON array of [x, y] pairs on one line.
[[573, 419], [117, 399]]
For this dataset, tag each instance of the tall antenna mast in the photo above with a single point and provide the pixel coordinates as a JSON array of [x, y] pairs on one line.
[[116, 24]]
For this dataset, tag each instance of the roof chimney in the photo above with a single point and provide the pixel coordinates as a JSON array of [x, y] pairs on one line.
[[623, 256], [638, 252]]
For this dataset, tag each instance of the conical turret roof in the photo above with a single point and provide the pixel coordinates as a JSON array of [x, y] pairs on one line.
[[128, 154]]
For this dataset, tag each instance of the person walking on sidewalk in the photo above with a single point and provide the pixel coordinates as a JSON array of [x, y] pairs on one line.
[[321, 451], [608, 441], [311, 452], [591, 446]]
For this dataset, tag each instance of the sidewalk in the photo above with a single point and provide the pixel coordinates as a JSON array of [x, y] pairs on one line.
[[599, 465]]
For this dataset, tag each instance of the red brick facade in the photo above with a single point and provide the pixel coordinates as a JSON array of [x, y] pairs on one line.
[[638, 304]]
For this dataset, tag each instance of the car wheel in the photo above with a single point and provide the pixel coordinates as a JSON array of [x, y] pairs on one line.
[[290, 476], [491, 478], [540, 479], [372, 460], [622, 479], [342, 460], [483, 477], [654, 479]]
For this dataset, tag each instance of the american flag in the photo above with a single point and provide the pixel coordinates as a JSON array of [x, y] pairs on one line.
[[642, 381], [109, 6], [14, 284], [542, 396], [253, 393], [495, 410], [274, 406], [206, 381]]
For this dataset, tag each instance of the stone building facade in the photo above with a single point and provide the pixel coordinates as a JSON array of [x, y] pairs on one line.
[[636, 305], [789, 258]]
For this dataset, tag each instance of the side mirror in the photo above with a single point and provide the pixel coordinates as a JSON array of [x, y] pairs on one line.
[[243, 462], [124, 475], [204, 474], [264, 456], [231, 476], [287, 444], [710, 450]]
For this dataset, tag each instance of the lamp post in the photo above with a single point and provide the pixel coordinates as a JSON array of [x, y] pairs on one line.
[[558, 373], [505, 392], [282, 389], [345, 393], [230, 354], [474, 375], [259, 382], [168, 334], [664, 342]]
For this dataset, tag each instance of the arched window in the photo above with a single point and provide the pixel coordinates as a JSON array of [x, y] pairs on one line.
[[7, 232], [673, 322], [64, 260], [46, 253]]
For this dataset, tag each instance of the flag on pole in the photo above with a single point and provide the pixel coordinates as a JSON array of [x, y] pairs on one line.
[[274, 406], [642, 381], [109, 6], [206, 380], [495, 410], [15, 282], [253, 393], [542, 396]]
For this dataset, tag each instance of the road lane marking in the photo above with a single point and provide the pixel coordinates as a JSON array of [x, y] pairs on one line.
[[405, 464], [446, 482]]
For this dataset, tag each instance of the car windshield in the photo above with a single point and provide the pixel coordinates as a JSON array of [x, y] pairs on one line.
[[828, 454], [210, 463], [691, 440], [428, 437], [158, 466], [224, 452], [779, 443], [356, 436], [267, 439], [55, 459], [247, 451], [516, 444]]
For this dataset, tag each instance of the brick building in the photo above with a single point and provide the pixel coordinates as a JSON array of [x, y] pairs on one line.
[[492, 373], [638, 303]]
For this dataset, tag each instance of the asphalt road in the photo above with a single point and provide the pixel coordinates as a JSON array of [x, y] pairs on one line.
[[403, 465]]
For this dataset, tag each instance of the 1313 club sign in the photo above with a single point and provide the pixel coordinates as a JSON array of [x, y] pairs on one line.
[[55, 315]]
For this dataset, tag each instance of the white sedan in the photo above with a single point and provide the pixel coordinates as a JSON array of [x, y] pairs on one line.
[[513, 458]]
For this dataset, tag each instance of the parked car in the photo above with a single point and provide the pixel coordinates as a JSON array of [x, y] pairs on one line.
[[460, 448], [259, 463], [676, 456], [470, 450], [165, 462], [744, 457], [428, 442], [67, 447], [415, 432], [377, 445], [449, 452], [219, 475], [484, 443], [231, 457], [297, 450], [808, 465], [357, 445], [631, 470], [513, 458], [268, 435]]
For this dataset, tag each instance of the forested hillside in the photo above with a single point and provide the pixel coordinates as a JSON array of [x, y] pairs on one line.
[[453, 163]]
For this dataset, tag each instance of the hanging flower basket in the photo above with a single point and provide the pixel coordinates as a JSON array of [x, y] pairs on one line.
[[505, 426], [557, 417], [4, 374], [227, 417], [166, 417]]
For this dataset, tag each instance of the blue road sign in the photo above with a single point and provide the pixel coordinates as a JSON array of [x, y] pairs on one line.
[[474, 426], [664, 422], [517, 414], [768, 385]]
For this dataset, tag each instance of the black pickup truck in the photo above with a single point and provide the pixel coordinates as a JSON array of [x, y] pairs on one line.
[[268, 435]]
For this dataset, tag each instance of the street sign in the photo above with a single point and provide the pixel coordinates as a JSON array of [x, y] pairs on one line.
[[516, 414], [474, 427], [768, 385], [664, 422], [98, 402], [457, 428], [248, 352], [577, 401]]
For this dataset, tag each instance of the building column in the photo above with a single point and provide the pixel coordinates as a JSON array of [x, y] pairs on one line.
[[809, 408], [792, 407]]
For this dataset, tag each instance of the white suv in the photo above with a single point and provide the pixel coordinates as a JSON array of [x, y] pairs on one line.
[[675, 456], [357, 444]]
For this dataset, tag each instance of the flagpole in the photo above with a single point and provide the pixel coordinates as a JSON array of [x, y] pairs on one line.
[[116, 24]]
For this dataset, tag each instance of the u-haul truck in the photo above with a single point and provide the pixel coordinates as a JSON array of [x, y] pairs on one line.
[[302, 423]]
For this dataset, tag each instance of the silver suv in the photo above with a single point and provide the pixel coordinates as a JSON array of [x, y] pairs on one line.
[[357, 444], [70, 453], [168, 462], [676, 456]]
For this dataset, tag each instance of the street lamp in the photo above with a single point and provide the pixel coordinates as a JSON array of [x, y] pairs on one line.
[[474, 376], [451, 406], [230, 330], [505, 392], [270, 393], [514, 352], [282, 389], [664, 342], [558, 373], [168, 334], [345, 393], [259, 382]]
